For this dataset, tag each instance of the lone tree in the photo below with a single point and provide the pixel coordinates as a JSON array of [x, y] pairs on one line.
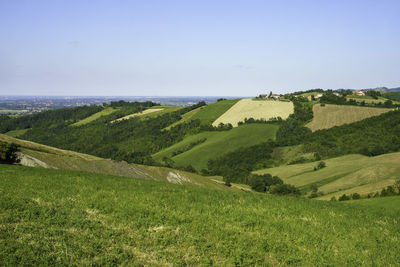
[[8, 153]]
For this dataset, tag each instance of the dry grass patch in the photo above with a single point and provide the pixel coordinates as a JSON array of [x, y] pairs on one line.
[[138, 114], [335, 115], [249, 108]]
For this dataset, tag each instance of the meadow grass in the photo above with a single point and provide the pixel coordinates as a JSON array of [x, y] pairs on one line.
[[95, 116], [256, 109], [335, 115], [218, 143], [165, 109], [16, 133], [53, 217], [342, 175], [208, 114]]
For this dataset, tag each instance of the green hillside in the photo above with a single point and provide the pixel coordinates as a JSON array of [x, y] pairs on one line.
[[37, 155], [104, 112], [53, 217], [208, 114], [185, 117], [342, 175], [16, 133], [328, 116], [217, 143]]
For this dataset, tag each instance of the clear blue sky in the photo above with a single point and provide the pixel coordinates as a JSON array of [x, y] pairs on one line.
[[167, 47]]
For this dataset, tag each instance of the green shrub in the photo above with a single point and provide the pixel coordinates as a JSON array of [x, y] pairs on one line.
[[8, 153], [344, 197], [284, 189], [262, 183]]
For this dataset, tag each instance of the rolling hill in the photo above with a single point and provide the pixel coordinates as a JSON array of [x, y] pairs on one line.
[[342, 175], [217, 143], [329, 116], [256, 109], [37, 155], [56, 217]]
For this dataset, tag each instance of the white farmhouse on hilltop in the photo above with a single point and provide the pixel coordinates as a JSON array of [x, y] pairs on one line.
[[275, 96]]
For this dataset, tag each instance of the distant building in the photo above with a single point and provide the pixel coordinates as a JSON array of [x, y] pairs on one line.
[[318, 96], [309, 98], [275, 96], [336, 94]]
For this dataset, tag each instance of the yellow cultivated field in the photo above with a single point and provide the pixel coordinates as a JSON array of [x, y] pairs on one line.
[[144, 112], [257, 109], [336, 115]]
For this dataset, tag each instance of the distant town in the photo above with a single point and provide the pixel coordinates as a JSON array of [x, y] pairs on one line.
[[23, 105]]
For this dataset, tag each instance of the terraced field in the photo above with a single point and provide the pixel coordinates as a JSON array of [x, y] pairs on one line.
[[343, 175], [217, 143], [257, 109], [211, 112], [329, 116], [104, 112]]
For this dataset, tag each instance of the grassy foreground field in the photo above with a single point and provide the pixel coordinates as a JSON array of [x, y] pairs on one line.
[[336, 115], [217, 143], [343, 175], [257, 109], [53, 217]]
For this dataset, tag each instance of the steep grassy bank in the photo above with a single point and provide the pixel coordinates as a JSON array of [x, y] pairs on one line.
[[53, 217], [33, 154]]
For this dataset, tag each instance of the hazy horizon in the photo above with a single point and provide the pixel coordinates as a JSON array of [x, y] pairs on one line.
[[208, 48]]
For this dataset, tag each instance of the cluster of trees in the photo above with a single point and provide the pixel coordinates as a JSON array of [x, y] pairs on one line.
[[317, 90], [314, 192], [275, 120], [292, 130], [132, 140], [236, 166], [8, 153], [48, 119], [267, 183], [394, 96], [262, 183], [373, 94], [370, 137], [391, 190], [330, 98]]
